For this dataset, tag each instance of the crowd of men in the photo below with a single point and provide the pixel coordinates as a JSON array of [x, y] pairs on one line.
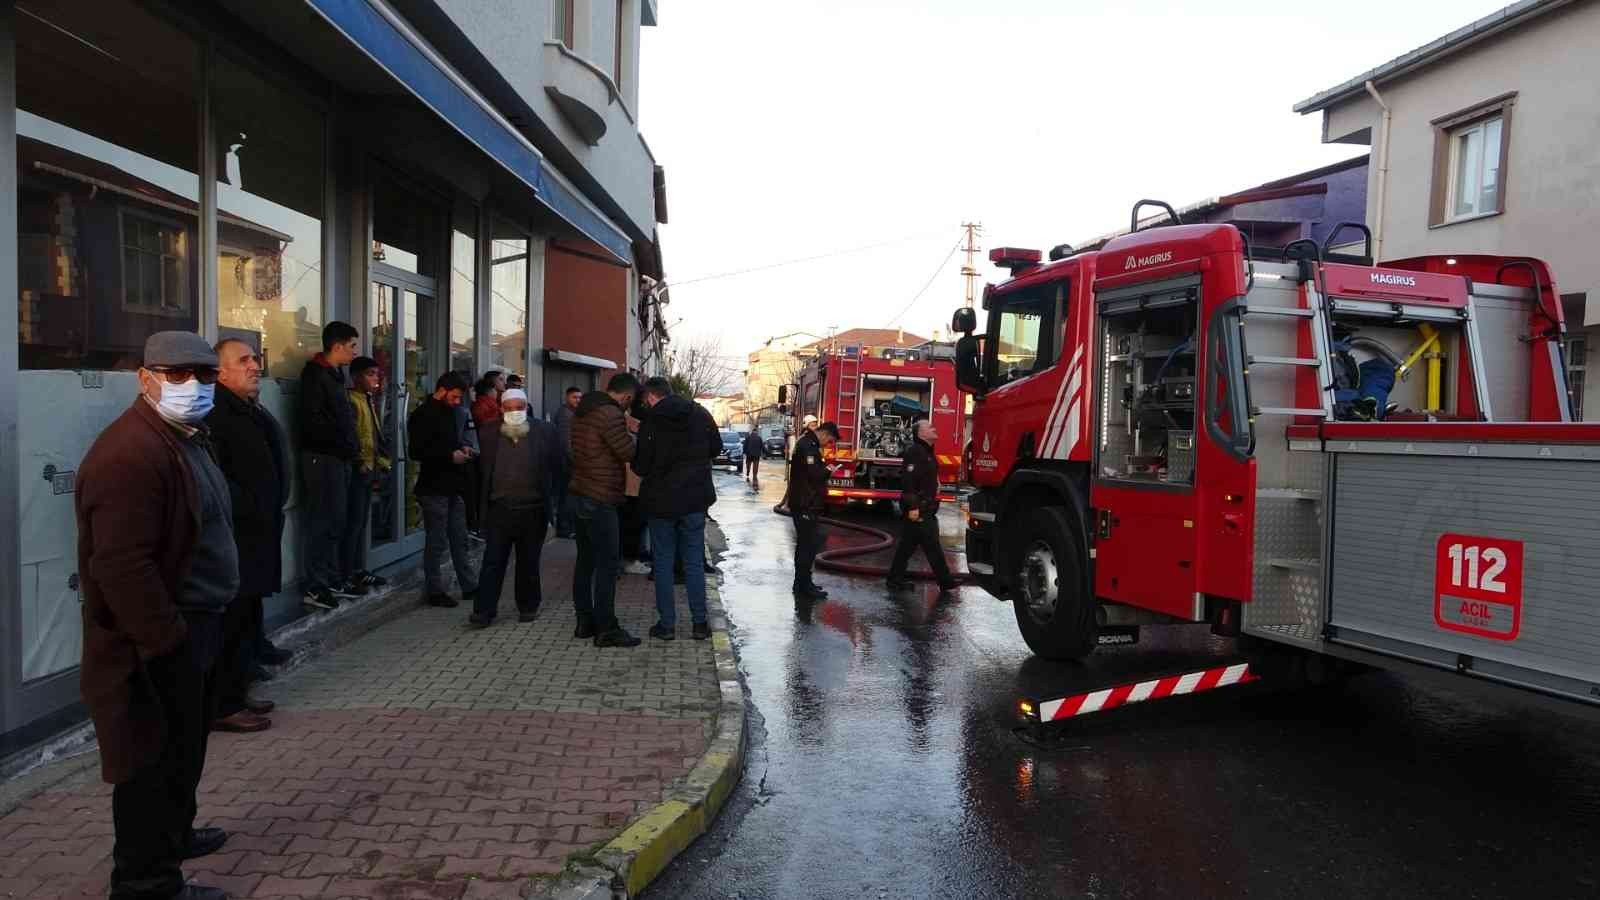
[[180, 506]]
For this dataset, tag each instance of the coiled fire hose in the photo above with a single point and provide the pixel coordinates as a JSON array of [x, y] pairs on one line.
[[833, 560]]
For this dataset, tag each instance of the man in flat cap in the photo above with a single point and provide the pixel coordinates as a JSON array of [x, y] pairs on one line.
[[158, 566]]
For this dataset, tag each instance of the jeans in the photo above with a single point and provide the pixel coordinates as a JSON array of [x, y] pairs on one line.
[[242, 637], [326, 481], [507, 526], [358, 507], [153, 812], [561, 507], [681, 538], [445, 520], [924, 534], [594, 575]]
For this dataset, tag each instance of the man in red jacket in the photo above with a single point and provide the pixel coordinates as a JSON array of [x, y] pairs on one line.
[[158, 564]]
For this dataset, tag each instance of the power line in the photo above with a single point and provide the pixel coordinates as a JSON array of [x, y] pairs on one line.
[[804, 259], [931, 279]]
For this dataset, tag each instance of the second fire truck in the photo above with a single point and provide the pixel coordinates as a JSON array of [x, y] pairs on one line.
[[1374, 463], [876, 395]]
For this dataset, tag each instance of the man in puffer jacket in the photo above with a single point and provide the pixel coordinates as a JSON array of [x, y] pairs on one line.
[[601, 450], [677, 444]]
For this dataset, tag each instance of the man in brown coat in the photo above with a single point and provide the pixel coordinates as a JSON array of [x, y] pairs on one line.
[[158, 564], [601, 451]]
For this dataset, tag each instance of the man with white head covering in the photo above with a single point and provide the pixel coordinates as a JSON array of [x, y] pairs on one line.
[[521, 457]]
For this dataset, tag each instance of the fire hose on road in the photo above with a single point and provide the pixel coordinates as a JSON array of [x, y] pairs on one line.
[[834, 560]]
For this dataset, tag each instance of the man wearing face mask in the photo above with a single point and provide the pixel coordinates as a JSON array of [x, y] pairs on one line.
[[521, 456], [158, 566]]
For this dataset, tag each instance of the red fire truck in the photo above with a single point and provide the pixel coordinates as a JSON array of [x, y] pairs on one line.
[[1374, 463], [875, 395]]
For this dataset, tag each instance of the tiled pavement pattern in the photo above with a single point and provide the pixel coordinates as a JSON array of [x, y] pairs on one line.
[[423, 760]]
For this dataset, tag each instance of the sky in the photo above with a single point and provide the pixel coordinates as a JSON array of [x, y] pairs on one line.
[[792, 130]]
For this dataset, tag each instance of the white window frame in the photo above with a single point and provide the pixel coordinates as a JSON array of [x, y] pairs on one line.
[[1487, 152], [183, 309]]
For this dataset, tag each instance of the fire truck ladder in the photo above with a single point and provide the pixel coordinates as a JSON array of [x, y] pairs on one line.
[[1313, 316], [849, 397]]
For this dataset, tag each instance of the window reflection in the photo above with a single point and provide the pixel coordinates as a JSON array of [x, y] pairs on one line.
[[463, 296], [508, 285], [269, 225], [107, 196]]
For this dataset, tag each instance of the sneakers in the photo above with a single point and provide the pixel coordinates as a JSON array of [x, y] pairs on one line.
[[475, 536], [636, 567], [616, 637], [319, 600], [702, 630], [349, 590], [242, 722], [662, 632], [443, 601], [368, 580]]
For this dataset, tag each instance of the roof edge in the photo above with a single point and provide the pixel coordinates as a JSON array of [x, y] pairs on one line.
[[1501, 20]]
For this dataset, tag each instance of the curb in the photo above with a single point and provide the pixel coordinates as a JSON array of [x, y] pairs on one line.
[[644, 849]]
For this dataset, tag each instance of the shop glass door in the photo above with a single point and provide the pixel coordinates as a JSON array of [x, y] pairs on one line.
[[401, 324]]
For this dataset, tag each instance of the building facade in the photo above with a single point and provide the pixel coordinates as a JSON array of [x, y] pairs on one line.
[[463, 181], [1484, 141]]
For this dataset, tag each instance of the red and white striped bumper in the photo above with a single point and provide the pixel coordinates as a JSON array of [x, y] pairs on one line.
[[1110, 698]]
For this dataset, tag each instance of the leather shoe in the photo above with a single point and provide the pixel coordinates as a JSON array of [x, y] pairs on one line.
[[443, 601], [529, 616], [259, 707], [899, 584], [474, 621], [949, 585], [817, 590], [616, 637], [242, 722], [201, 892], [204, 842], [585, 629], [662, 632], [702, 630]]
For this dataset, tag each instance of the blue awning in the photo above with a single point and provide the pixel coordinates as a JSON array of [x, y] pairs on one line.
[[399, 55]]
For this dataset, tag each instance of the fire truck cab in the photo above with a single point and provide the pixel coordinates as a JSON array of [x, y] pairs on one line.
[[1370, 462]]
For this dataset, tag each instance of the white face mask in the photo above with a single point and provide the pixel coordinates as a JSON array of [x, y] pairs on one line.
[[515, 417], [188, 402]]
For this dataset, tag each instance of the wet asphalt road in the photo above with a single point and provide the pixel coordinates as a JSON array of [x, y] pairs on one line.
[[884, 763]]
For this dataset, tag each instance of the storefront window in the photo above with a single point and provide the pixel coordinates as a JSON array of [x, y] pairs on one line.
[[107, 199], [508, 284], [269, 217], [463, 296]]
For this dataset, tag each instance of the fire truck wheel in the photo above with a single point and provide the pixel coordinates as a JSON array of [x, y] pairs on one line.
[[1050, 593]]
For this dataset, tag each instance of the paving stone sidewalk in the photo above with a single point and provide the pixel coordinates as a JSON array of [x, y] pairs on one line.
[[423, 760]]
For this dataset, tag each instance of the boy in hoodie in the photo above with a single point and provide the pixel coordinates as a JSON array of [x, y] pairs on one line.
[[328, 451], [677, 444]]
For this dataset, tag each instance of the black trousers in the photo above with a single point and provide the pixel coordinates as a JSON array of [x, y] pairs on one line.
[[324, 502], [153, 812], [509, 527], [241, 649], [923, 534], [807, 542]]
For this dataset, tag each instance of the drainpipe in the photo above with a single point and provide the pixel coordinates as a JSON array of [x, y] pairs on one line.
[[1383, 175]]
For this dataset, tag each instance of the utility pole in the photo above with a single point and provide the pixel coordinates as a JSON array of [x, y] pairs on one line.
[[969, 272]]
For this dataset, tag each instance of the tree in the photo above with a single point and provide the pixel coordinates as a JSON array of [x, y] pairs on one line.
[[700, 369]]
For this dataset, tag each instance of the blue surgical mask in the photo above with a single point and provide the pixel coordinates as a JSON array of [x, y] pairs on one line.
[[188, 402]]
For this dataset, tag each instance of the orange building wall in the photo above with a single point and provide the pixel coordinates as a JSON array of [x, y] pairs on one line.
[[585, 306]]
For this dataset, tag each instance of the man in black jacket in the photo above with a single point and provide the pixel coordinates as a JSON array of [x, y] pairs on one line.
[[677, 443], [437, 442], [521, 459], [754, 447], [919, 510], [249, 450], [807, 497], [327, 448]]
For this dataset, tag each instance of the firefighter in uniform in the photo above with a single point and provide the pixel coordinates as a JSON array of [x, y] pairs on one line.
[[808, 491], [919, 508]]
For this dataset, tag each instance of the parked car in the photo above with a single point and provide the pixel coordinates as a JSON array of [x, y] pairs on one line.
[[732, 451], [777, 445]]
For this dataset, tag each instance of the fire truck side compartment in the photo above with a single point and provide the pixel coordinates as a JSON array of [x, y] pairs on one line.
[[1392, 502]]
